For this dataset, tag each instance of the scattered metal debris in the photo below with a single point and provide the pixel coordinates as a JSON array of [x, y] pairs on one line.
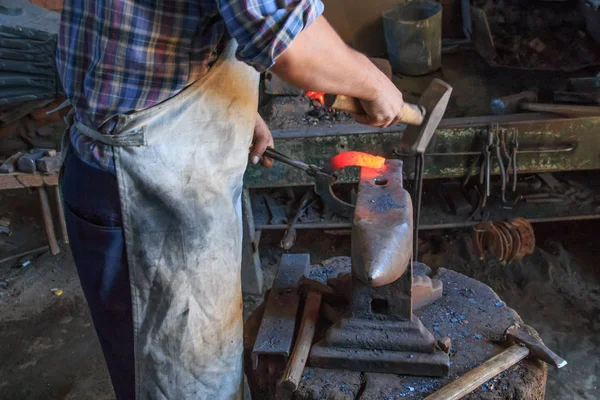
[[507, 241]]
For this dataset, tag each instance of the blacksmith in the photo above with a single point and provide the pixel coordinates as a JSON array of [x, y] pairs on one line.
[[165, 117]]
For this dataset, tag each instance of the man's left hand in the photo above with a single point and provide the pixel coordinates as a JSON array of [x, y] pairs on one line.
[[262, 139]]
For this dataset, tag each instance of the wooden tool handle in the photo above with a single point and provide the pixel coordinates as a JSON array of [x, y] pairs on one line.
[[563, 109], [412, 114], [48, 222], [478, 376], [293, 371]]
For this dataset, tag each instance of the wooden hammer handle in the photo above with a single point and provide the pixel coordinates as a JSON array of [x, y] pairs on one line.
[[478, 376], [412, 114], [566, 110], [293, 371]]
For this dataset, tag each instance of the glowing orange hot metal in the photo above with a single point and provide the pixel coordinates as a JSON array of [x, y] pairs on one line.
[[356, 159], [319, 96]]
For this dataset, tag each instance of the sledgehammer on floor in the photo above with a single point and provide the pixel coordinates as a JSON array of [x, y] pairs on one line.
[[524, 345]]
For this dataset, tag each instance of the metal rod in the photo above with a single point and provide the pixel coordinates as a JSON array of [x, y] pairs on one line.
[[418, 192], [308, 225], [424, 227], [24, 253], [564, 149]]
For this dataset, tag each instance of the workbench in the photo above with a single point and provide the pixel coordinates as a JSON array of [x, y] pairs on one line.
[[547, 144], [41, 182], [470, 313]]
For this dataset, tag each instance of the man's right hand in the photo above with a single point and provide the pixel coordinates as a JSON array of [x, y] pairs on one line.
[[318, 60], [385, 109]]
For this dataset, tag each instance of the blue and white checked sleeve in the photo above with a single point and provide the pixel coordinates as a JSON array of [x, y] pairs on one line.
[[264, 29]]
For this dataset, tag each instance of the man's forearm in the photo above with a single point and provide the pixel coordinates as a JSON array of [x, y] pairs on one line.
[[318, 60]]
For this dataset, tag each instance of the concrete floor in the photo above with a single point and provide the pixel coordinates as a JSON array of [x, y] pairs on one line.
[[49, 350]]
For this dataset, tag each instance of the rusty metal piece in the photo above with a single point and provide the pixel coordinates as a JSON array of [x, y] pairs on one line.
[[382, 231], [425, 291], [478, 241], [491, 239], [527, 236], [507, 241], [515, 239], [276, 331], [289, 237], [497, 242], [444, 344]]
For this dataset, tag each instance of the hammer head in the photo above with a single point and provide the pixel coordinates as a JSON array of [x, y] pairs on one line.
[[510, 104], [435, 100], [536, 347]]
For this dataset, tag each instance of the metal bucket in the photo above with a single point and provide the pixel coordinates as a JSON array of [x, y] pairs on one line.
[[413, 34]]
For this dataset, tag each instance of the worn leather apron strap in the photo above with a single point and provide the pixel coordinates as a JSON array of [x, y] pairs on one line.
[[180, 168]]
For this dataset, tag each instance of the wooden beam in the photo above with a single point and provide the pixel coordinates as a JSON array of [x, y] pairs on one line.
[[20, 180]]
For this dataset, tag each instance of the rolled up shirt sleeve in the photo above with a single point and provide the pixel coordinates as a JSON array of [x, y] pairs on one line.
[[264, 29]]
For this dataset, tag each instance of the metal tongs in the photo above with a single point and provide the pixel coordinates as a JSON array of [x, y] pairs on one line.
[[310, 169], [323, 178]]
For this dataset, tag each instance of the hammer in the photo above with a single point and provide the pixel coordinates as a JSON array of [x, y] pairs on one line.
[[524, 345], [426, 115], [527, 101]]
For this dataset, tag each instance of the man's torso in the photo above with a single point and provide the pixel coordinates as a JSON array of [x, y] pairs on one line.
[[115, 57]]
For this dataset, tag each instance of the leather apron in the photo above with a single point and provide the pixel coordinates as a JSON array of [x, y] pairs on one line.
[[180, 167]]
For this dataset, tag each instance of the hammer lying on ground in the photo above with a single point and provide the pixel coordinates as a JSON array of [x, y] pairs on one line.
[[528, 101], [524, 345]]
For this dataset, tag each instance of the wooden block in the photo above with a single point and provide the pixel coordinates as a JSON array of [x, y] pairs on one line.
[[48, 222], [19, 181]]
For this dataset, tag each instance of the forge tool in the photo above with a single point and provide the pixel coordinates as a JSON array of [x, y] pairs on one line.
[[524, 345], [325, 177]]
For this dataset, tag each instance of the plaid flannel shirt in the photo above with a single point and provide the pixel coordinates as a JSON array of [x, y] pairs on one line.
[[119, 56]]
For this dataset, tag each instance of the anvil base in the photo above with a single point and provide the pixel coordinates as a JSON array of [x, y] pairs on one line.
[[371, 345]]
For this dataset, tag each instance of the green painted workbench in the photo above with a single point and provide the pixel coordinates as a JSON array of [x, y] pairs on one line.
[[546, 144]]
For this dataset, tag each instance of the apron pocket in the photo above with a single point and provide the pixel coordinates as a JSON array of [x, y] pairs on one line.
[[99, 254]]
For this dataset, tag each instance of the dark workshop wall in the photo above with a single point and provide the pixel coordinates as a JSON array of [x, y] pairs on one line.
[[359, 23]]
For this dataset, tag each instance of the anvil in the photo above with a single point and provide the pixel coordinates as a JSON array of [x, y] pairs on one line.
[[381, 334]]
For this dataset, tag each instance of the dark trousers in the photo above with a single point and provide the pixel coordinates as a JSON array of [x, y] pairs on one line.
[[95, 227]]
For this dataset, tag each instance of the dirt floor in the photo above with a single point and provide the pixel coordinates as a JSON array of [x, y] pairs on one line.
[[49, 350]]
